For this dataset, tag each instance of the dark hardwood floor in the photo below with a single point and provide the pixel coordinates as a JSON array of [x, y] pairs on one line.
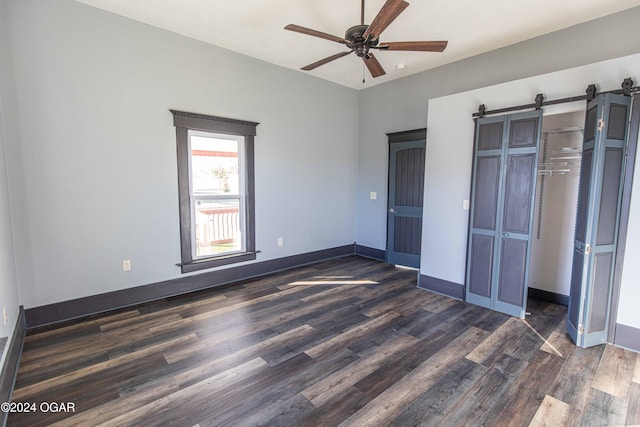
[[349, 341]]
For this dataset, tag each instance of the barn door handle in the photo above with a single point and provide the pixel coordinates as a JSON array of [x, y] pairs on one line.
[[393, 211]]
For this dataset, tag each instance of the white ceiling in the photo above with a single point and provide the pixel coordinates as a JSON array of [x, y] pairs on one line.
[[255, 28]]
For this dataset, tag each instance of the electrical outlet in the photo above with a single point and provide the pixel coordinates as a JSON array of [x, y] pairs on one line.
[[126, 265], [465, 205], [280, 241], [4, 315], [373, 195]]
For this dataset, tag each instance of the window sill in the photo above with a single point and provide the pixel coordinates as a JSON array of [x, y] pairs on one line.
[[203, 264]]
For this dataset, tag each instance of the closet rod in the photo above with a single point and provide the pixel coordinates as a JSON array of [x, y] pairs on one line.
[[563, 130], [627, 89]]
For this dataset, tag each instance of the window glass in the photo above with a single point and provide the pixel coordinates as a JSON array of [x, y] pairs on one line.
[[217, 227], [218, 202], [214, 165]]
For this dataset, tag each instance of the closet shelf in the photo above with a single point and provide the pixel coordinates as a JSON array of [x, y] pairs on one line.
[[565, 130], [568, 150], [552, 172], [565, 158]]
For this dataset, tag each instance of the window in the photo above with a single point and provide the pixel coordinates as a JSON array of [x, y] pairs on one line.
[[215, 184]]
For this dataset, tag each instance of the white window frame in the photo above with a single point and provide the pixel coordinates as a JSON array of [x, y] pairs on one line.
[[240, 196]]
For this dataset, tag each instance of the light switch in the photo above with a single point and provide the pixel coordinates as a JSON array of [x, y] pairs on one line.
[[465, 205], [373, 195]]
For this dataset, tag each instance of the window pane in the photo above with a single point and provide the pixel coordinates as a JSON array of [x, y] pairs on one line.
[[217, 227], [214, 165]]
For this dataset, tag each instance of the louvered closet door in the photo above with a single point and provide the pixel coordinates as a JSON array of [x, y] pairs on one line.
[[597, 218], [502, 196]]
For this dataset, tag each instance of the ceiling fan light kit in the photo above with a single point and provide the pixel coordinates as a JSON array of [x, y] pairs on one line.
[[360, 39]]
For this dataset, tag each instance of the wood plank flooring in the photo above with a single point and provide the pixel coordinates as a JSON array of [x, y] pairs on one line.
[[348, 342]]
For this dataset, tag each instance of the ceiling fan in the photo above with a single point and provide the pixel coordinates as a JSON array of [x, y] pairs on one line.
[[362, 38]]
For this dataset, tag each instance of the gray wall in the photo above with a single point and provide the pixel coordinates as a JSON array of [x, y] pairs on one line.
[[8, 284], [402, 104], [93, 177]]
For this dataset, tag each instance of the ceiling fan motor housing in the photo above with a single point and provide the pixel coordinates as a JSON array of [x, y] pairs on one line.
[[359, 45]]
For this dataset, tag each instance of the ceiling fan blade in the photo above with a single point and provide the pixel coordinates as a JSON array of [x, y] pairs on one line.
[[373, 65], [389, 12], [432, 46], [310, 32], [325, 60]]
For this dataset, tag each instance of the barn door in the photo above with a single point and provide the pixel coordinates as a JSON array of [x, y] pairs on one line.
[[502, 198], [597, 218], [406, 192]]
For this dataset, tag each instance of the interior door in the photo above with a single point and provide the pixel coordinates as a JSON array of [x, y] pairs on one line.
[[406, 192], [597, 218], [502, 200]]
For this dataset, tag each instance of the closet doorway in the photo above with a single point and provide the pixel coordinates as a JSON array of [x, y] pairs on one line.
[[523, 210], [555, 206]]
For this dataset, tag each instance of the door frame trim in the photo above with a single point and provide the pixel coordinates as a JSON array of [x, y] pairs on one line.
[[407, 135]]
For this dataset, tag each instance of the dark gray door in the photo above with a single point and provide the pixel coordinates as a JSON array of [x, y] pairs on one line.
[[406, 192], [502, 197], [597, 218]]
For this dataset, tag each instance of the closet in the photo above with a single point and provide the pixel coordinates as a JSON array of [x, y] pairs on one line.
[[546, 216], [555, 206], [523, 209]]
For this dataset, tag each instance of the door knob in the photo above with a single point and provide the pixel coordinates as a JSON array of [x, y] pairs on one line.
[[393, 211]]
